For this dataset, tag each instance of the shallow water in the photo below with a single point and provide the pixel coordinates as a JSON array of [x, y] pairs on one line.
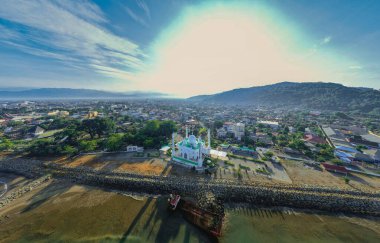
[[72, 215], [272, 225]]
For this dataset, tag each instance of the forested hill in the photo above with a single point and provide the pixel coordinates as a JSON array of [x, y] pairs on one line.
[[318, 95]]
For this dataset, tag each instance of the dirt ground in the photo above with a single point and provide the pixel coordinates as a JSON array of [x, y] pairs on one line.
[[121, 162], [307, 175]]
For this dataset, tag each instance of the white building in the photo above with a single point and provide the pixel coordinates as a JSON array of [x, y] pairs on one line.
[[191, 150], [221, 132], [237, 129], [133, 148], [272, 124]]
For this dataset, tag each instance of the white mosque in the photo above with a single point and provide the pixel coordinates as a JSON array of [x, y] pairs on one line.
[[191, 150]]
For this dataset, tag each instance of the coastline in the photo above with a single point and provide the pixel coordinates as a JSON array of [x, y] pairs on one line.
[[295, 196], [87, 213]]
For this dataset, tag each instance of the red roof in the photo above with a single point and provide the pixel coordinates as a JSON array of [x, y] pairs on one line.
[[314, 139], [335, 168]]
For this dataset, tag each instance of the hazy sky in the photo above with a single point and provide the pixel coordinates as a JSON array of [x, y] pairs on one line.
[[187, 47]]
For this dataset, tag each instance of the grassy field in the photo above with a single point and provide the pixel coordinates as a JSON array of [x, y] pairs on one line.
[[49, 133]]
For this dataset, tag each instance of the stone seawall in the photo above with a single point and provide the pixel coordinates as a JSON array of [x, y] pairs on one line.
[[21, 191], [268, 194]]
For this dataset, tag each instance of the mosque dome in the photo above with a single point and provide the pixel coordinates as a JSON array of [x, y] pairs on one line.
[[192, 139]]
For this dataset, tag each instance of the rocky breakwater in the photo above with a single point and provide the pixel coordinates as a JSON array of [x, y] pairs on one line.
[[26, 167], [300, 196], [25, 189], [333, 199]]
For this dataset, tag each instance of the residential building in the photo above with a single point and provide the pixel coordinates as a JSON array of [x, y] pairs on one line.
[[134, 148]]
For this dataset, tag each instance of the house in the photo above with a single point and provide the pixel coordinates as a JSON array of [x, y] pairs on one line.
[[376, 156], [363, 158], [330, 132], [372, 138], [58, 113], [8, 130], [291, 151], [355, 139], [244, 151], [343, 156], [133, 148], [225, 147], [164, 149], [272, 124], [312, 147], [335, 168], [262, 138], [221, 133], [314, 139], [346, 149], [36, 131], [237, 129]]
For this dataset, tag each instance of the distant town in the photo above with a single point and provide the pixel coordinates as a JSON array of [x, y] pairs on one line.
[[213, 154], [247, 143]]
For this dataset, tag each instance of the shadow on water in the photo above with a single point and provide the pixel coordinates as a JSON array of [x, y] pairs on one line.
[[162, 225], [52, 190], [173, 227], [136, 220]]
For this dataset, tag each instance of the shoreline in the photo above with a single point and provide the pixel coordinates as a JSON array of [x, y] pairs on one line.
[[260, 194]]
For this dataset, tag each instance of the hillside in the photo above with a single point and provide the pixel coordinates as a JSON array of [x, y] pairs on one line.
[[65, 93], [318, 95]]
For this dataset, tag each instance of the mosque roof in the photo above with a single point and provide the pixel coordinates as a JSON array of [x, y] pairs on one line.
[[192, 142]]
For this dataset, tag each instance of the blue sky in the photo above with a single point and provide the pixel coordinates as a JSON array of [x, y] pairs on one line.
[[187, 47]]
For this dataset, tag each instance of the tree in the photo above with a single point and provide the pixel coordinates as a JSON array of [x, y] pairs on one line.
[[59, 123], [69, 150], [6, 144], [360, 148], [148, 143], [268, 154], [115, 142], [98, 126], [218, 124], [167, 128], [298, 145], [42, 147], [151, 128], [87, 146], [202, 132], [72, 134]]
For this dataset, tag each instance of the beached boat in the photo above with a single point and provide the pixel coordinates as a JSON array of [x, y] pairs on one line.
[[209, 221]]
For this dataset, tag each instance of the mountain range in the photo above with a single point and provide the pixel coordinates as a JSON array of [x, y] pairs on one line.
[[65, 93], [309, 95]]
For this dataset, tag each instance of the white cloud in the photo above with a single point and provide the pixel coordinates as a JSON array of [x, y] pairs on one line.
[[83, 9], [136, 17], [355, 67], [72, 30], [142, 18], [326, 40], [142, 4]]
